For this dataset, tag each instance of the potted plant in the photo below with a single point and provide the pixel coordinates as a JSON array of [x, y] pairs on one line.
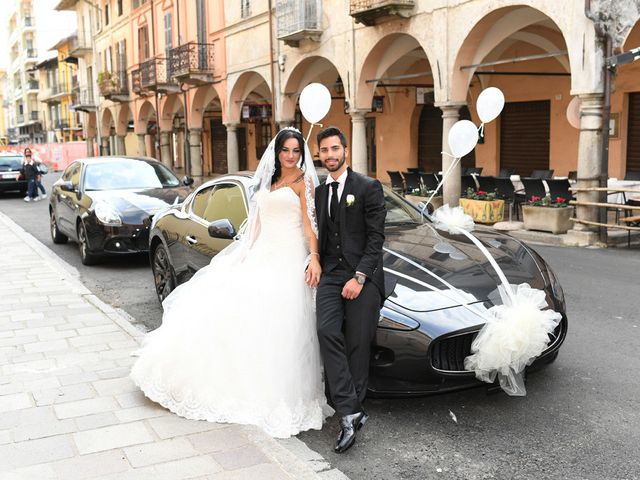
[[483, 206], [421, 195], [547, 215]]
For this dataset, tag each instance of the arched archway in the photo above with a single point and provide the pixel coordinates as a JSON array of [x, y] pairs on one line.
[[146, 129], [249, 114], [208, 136], [173, 137], [395, 80], [107, 131], [624, 154]]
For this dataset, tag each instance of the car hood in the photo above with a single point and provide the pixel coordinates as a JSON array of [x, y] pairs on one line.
[[414, 251], [134, 205]]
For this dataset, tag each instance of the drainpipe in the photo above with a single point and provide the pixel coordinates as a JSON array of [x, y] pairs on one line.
[[606, 113], [271, 62]]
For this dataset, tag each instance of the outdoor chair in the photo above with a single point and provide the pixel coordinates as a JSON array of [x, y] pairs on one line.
[[632, 175], [466, 182], [505, 191], [428, 180], [472, 171], [542, 174], [397, 184], [487, 184], [533, 187], [414, 169], [559, 188], [573, 175], [506, 172], [411, 181]]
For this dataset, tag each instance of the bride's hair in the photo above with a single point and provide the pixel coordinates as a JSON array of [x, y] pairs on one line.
[[284, 135]]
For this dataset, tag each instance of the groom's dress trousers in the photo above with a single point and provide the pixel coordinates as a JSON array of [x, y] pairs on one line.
[[346, 328]]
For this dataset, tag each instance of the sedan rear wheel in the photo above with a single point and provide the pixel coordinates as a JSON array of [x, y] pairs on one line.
[[162, 273], [86, 257], [56, 236]]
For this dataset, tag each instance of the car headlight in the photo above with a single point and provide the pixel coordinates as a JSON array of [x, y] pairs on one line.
[[107, 215]]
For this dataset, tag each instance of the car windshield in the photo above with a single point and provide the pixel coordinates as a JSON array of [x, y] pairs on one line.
[[399, 212], [128, 174], [10, 163]]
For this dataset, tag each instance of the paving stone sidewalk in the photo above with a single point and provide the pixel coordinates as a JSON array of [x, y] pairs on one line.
[[68, 409]]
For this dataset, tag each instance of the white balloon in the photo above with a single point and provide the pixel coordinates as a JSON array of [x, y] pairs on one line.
[[490, 103], [315, 102], [463, 137], [573, 112]]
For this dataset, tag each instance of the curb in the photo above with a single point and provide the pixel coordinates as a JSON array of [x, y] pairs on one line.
[[292, 452]]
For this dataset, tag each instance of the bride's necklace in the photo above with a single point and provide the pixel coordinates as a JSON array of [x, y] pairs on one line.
[[282, 183]]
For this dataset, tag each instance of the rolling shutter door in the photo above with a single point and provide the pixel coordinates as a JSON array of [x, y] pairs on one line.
[[524, 136], [633, 133]]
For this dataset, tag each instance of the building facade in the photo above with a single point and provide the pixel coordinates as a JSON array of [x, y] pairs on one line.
[[203, 85], [24, 121]]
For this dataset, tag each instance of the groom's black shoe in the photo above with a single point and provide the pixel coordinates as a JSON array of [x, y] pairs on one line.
[[349, 425]]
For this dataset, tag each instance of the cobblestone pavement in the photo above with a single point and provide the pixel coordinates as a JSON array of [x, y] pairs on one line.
[[68, 409]]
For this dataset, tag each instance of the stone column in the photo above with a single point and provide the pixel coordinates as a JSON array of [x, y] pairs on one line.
[[285, 122], [589, 167], [89, 142], [195, 145], [233, 155], [359, 142], [120, 146], [142, 145], [453, 182], [104, 147], [165, 149]]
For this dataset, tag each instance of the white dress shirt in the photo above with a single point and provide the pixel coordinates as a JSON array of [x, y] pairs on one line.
[[342, 179]]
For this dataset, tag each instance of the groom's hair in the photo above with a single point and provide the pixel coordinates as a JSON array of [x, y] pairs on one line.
[[282, 136], [332, 132]]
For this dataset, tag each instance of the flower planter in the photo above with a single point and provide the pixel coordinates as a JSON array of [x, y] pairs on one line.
[[547, 219], [483, 211], [436, 202]]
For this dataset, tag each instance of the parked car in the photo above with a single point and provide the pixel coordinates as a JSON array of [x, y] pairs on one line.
[[106, 203], [11, 179], [423, 336]]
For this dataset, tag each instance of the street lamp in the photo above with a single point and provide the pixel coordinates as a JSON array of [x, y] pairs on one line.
[[624, 58]]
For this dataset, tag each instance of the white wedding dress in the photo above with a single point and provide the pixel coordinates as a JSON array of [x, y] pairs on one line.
[[238, 341]]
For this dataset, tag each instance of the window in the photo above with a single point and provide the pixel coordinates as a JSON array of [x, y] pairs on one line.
[[168, 33], [106, 14], [119, 7], [245, 8], [226, 201], [143, 43]]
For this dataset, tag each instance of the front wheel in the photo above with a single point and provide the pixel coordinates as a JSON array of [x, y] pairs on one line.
[[162, 273], [56, 236], [86, 257]]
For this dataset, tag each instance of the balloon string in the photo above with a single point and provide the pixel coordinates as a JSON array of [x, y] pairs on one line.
[[311, 129], [444, 176]]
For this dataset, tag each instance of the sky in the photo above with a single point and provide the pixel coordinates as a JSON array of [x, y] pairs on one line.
[[51, 26]]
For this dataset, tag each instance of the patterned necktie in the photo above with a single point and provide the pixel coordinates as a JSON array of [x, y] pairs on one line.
[[333, 204]]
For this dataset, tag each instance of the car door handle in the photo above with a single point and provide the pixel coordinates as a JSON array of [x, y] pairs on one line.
[[191, 239]]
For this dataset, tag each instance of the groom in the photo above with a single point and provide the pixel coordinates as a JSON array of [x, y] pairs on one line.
[[351, 214]]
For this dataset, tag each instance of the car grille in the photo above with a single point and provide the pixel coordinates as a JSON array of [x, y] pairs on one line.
[[448, 353]]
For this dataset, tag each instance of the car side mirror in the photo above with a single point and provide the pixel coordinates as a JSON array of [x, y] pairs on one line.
[[186, 181], [67, 186], [222, 229]]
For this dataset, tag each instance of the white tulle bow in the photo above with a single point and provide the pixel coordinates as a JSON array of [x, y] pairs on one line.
[[451, 219], [516, 334]]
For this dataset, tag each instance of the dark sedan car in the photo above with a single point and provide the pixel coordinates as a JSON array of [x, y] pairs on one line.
[[11, 179], [423, 336], [106, 203]]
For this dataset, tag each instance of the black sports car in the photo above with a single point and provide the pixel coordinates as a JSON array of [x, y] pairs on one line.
[[423, 336], [10, 176], [106, 203]]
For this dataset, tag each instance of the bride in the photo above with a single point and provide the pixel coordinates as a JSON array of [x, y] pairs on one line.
[[238, 341]]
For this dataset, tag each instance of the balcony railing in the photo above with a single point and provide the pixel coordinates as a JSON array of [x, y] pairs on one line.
[[192, 62], [32, 53], [113, 86], [84, 100], [28, 22], [20, 118], [60, 124], [33, 116], [136, 86], [154, 76], [33, 85], [298, 20], [368, 11], [80, 45]]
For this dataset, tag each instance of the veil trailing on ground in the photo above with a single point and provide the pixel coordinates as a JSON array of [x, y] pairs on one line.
[[250, 229]]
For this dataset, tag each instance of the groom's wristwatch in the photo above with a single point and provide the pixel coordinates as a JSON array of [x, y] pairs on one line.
[[360, 278]]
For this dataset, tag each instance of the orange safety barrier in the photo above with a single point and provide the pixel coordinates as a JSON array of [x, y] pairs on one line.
[[56, 156]]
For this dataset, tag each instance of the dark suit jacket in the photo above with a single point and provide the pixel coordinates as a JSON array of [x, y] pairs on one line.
[[361, 224]]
